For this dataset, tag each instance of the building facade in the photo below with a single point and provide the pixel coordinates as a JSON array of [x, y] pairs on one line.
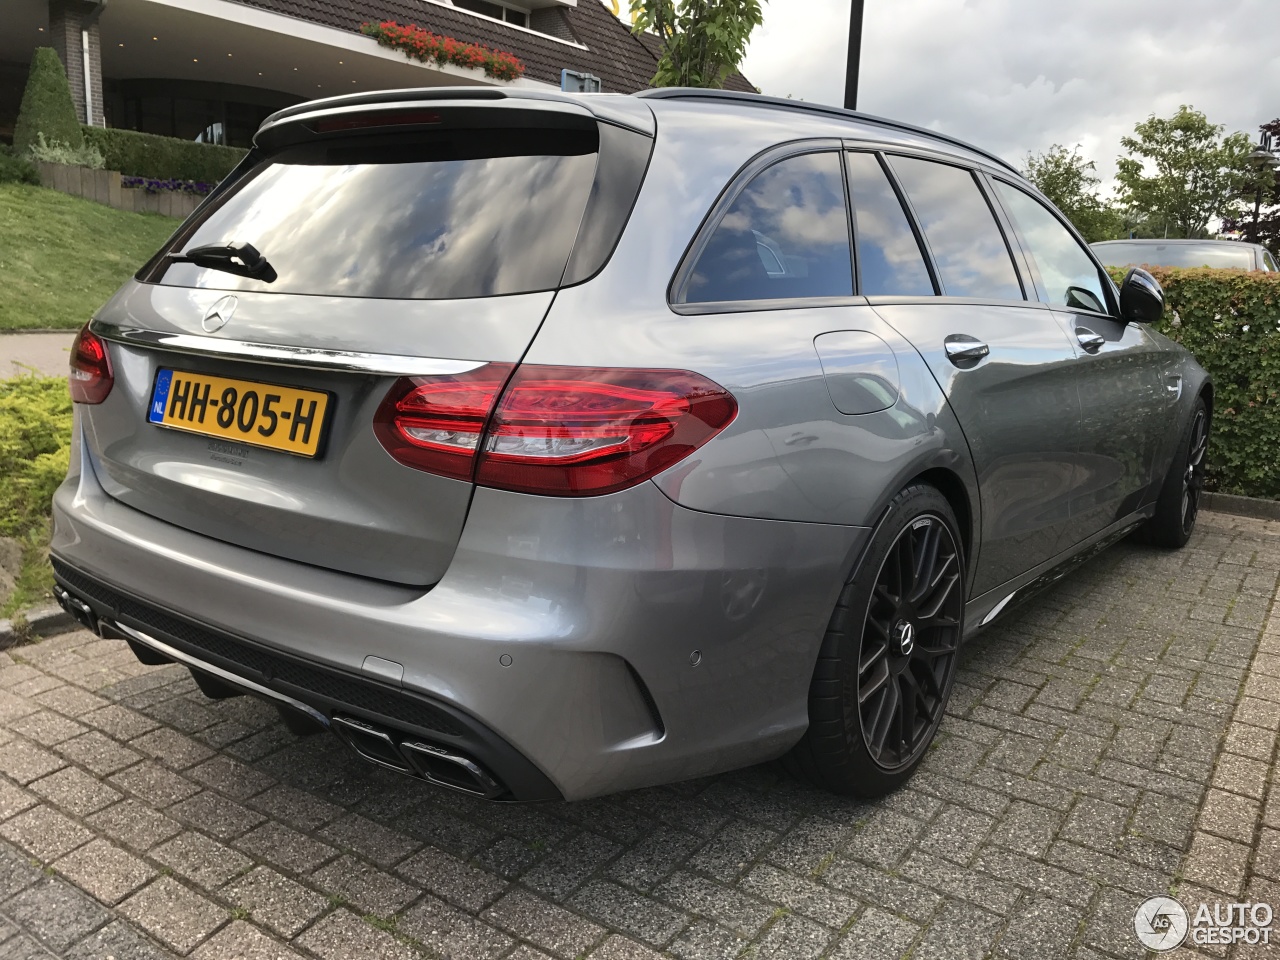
[[214, 69]]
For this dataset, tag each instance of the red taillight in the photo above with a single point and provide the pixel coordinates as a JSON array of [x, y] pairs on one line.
[[91, 378], [557, 431], [435, 423]]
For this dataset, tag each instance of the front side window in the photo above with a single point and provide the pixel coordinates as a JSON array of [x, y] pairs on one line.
[[785, 236], [968, 248], [889, 259], [1068, 275], [1268, 262]]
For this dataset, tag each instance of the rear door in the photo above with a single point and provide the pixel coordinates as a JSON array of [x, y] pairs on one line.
[[393, 244], [1126, 393], [1005, 363]]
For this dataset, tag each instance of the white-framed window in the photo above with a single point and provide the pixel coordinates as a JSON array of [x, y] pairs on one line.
[[498, 11]]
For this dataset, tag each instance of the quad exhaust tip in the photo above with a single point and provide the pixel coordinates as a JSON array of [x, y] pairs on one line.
[[425, 761]]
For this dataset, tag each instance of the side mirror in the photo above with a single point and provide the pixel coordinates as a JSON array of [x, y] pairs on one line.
[[1141, 299]]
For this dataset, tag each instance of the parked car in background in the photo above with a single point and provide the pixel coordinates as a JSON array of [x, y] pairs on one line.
[[1184, 253], [544, 446]]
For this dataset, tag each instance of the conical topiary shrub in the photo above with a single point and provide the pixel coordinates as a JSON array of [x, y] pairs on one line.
[[46, 106]]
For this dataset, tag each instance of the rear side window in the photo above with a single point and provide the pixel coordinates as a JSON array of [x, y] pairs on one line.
[[786, 235], [1067, 274], [968, 248], [889, 258], [1268, 262], [454, 214]]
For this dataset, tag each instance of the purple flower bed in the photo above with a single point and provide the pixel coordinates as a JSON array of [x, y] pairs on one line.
[[151, 185]]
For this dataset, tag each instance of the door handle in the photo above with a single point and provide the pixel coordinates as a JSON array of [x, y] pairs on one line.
[[964, 350], [1092, 342]]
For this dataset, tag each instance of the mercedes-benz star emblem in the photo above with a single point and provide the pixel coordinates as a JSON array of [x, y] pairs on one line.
[[905, 634], [216, 317]]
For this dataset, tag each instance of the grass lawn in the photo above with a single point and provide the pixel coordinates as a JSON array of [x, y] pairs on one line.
[[62, 257]]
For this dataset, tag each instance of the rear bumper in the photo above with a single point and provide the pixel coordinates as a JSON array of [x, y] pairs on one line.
[[557, 650]]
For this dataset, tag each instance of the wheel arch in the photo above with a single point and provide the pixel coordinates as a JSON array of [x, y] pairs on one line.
[[952, 487]]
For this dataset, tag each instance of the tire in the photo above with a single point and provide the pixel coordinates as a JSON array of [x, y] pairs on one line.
[[1179, 502], [858, 749]]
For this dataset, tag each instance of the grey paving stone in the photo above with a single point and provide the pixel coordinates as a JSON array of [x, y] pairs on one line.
[[171, 748], [365, 886], [884, 838], [275, 901], [703, 940], [285, 848], [237, 780], [46, 727], [70, 701], [1041, 927], [98, 753], [959, 931], [13, 799], [173, 914], [800, 895], [203, 861], [23, 762], [730, 852], [44, 833], [903, 897], [242, 941], [793, 938], [653, 858], [621, 948], [570, 864], [117, 941], [119, 722], [56, 912], [154, 784], [104, 871], [134, 824], [543, 923], [726, 905], [75, 791], [876, 935], [959, 883], [344, 936], [217, 816], [452, 934], [453, 880], [295, 807], [371, 840], [616, 907]]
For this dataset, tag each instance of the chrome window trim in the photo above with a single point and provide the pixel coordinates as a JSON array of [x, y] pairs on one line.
[[314, 358]]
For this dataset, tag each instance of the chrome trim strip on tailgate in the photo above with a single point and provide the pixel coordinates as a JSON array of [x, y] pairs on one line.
[[226, 675], [315, 358]]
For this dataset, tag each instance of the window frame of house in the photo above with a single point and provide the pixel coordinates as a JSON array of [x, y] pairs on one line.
[[505, 7]]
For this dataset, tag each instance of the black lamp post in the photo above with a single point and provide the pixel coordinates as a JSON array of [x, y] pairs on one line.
[[1263, 160], [855, 56]]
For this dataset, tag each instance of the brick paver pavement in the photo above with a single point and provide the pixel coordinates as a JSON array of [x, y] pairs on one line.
[[1113, 740]]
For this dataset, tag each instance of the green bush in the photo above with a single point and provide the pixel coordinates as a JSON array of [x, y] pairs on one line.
[[15, 169], [162, 158], [46, 105], [1230, 320], [35, 448], [55, 151]]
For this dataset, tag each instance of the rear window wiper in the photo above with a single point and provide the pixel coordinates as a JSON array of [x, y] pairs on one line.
[[242, 259]]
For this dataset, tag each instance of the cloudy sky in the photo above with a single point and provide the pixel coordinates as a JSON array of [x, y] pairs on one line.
[[1019, 75]]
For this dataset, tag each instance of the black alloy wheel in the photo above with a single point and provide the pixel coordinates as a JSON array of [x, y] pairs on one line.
[[1193, 475], [1178, 505], [889, 653], [909, 642]]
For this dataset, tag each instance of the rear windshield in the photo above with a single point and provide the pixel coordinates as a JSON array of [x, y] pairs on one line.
[[474, 213], [1175, 255]]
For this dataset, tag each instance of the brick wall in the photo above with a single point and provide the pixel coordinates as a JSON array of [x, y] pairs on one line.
[[65, 20]]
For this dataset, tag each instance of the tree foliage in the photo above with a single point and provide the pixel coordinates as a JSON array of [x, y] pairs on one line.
[[46, 106], [703, 41], [1199, 174], [1071, 183], [1264, 190]]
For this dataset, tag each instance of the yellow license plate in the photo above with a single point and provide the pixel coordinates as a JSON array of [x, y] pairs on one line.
[[261, 414]]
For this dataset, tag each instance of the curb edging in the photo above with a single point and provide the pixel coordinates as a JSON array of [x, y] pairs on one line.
[[1241, 506], [44, 622]]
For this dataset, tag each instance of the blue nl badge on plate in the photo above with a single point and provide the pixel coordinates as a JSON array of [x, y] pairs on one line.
[[160, 397]]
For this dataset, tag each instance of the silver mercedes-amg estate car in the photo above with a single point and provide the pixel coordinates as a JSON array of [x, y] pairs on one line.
[[543, 446]]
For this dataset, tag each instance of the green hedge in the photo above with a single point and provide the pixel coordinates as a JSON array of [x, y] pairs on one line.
[[1231, 321], [163, 158]]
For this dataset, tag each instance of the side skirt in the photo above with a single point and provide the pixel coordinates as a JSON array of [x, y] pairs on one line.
[[994, 604]]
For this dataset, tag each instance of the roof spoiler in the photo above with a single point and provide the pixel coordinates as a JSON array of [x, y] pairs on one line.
[[617, 109]]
